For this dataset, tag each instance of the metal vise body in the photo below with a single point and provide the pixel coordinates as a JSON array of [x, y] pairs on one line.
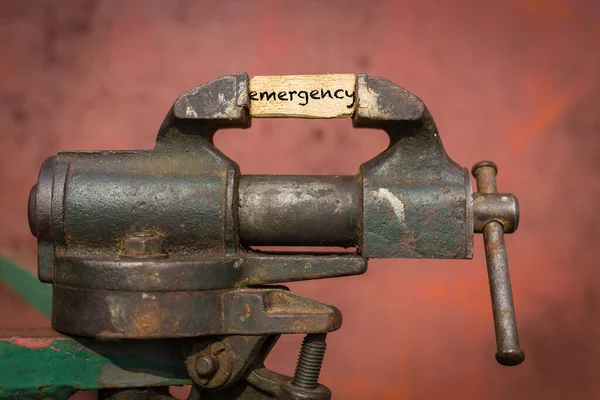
[[158, 243]]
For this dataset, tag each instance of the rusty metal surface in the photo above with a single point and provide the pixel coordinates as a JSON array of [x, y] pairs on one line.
[[110, 314], [154, 227], [263, 268], [183, 273], [502, 220], [499, 207], [416, 200], [410, 201], [297, 210], [488, 71]]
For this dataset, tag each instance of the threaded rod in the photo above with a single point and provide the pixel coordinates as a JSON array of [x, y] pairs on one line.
[[310, 361]]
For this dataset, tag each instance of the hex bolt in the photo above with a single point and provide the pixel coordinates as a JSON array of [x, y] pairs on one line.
[[143, 244], [310, 361], [505, 324], [207, 366]]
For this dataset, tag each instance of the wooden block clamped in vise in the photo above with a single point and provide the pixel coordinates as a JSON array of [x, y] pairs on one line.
[[303, 96]]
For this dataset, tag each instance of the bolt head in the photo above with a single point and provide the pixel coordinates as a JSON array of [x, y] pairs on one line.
[[143, 244], [206, 366]]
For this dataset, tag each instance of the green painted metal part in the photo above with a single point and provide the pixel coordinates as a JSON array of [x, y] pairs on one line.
[[45, 364], [26, 285]]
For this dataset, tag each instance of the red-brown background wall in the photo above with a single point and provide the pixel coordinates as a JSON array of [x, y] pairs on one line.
[[516, 82]]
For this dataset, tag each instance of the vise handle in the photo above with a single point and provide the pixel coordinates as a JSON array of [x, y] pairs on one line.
[[495, 214]]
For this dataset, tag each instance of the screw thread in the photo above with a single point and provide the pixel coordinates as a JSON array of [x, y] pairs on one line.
[[310, 361]]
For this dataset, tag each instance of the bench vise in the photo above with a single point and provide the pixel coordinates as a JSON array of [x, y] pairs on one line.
[[159, 244]]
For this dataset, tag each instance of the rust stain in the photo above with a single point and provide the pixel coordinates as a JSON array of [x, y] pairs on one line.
[[43, 388]]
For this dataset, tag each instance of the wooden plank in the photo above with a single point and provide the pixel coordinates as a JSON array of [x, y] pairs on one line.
[[303, 96]]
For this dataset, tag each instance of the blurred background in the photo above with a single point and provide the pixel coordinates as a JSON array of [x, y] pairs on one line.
[[514, 81]]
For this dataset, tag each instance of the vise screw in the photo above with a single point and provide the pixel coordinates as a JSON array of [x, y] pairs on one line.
[[157, 244]]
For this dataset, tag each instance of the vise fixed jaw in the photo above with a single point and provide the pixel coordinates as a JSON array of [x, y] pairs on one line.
[[158, 243]]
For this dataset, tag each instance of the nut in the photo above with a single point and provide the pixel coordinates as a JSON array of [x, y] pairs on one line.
[[143, 244]]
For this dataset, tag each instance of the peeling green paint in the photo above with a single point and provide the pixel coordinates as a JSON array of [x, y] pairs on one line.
[[55, 366]]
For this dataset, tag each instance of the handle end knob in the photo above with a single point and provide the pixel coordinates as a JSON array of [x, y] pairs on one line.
[[481, 164], [510, 357]]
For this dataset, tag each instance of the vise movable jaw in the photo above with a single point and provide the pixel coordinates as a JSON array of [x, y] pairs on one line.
[[157, 243]]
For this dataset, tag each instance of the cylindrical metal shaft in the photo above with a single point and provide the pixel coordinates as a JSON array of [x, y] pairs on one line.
[[505, 324], [283, 210], [484, 173]]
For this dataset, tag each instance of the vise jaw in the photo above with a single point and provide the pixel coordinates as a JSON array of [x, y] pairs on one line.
[[158, 243]]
